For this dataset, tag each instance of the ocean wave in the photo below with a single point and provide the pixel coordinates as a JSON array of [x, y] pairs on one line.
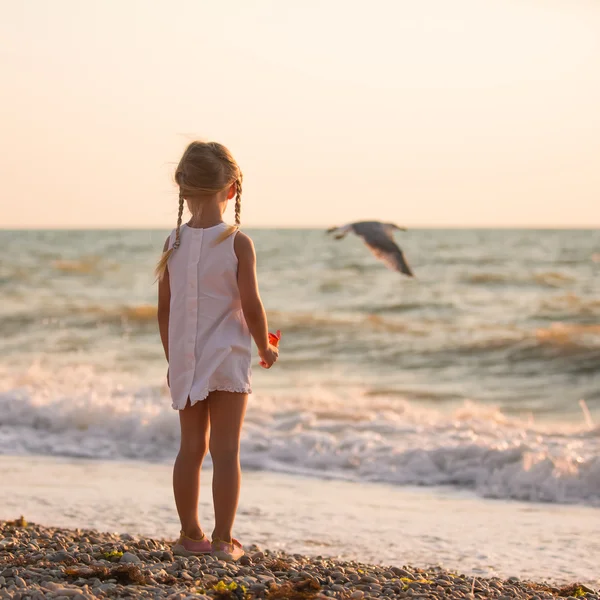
[[84, 266], [487, 278], [88, 265], [402, 307], [77, 412], [578, 342], [335, 322], [14, 275], [81, 317], [560, 339], [570, 334], [570, 305], [138, 313], [564, 347], [382, 338], [552, 279]]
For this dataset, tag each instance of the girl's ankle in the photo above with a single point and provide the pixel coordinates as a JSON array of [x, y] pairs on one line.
[[193, 533]]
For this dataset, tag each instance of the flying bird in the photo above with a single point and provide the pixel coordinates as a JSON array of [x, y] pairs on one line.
[[379, 238]]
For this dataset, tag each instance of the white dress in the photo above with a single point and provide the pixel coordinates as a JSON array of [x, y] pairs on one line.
[[209, 341]]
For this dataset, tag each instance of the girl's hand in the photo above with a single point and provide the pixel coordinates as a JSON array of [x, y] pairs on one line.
[[268, 357]]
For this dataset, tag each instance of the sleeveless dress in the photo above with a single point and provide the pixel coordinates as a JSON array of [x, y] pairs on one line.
[[209, 340]]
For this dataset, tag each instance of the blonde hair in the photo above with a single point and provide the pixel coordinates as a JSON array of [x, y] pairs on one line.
[[205, 169]]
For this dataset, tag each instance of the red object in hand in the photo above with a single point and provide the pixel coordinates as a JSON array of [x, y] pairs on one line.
[[274, 341], [274, 338]]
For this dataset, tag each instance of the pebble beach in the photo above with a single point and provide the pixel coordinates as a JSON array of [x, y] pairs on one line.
[[46, 562]]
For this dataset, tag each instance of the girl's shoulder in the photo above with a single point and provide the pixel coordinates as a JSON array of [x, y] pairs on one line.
[[243, 245]]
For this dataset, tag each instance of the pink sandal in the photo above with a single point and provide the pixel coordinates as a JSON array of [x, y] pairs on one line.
[[188, 546], [229, 551]]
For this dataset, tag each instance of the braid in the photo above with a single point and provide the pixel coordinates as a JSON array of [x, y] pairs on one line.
[[161, 267], [238, 208], [238, 201], [179, 218]]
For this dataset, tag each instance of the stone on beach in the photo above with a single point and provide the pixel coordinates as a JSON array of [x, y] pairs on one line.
[[128, 557]]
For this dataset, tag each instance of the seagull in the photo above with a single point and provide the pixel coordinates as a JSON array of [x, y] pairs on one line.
[[379, 238]]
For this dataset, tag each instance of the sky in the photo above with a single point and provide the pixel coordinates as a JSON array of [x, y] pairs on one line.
[[435, 113]]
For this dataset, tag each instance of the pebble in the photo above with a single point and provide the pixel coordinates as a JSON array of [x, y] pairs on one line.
[[60, 556], [128, 557], [84, 557], [66, 592]]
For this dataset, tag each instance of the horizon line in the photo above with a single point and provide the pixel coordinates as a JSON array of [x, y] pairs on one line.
[[292, 227]]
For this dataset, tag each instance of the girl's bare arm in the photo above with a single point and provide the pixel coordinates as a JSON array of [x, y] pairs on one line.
[[164, 307], [252, 305]]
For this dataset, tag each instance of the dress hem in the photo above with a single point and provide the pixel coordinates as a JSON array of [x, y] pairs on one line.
[[217, 388]]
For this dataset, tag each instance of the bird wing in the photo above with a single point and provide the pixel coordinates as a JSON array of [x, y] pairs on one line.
[[340, 232], [381, 243]]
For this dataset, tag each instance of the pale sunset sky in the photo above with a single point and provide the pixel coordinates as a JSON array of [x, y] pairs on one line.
[[424, 112]]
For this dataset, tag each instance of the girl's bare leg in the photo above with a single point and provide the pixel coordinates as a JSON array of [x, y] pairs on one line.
[[227, 410], [195, 427]]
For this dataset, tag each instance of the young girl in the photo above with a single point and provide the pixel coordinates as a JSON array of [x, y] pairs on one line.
[[208, 307]]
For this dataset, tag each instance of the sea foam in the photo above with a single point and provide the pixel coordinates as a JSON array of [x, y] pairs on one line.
[[348, 435]]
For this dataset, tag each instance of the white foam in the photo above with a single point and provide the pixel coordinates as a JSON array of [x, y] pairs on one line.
[[78, 412]]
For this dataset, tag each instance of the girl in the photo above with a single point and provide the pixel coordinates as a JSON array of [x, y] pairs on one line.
[[208, 307]]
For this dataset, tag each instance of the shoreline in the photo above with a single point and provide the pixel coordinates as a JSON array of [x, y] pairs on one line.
[[368, 523], [46, 562]]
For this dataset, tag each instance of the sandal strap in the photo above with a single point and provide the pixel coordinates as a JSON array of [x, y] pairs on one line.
[[187, 537], [233, 542]]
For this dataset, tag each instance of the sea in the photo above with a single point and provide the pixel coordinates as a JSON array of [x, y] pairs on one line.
[[481, 374]]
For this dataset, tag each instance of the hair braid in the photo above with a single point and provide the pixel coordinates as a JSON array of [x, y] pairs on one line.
[[177, 241], [238, 201], [161, 267]]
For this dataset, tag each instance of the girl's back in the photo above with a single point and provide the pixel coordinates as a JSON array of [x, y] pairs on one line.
[[209, 340]]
